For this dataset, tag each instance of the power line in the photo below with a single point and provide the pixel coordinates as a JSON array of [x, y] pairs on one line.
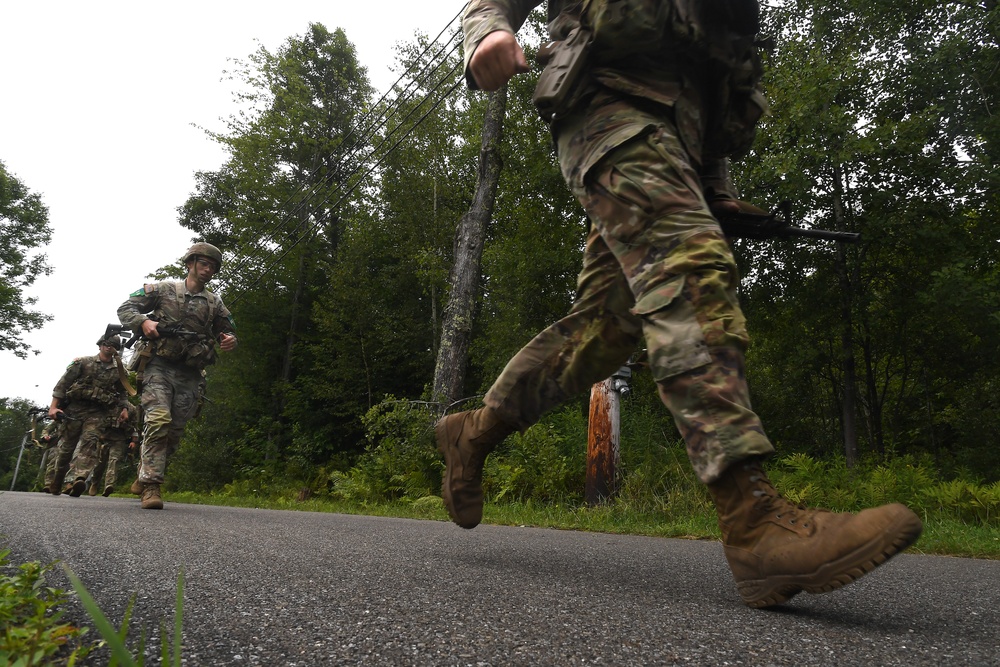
[[270, 232]]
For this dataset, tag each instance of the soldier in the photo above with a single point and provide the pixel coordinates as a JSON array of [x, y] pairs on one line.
[[89, 389], [117, 436], [644, 150], [182, 321]]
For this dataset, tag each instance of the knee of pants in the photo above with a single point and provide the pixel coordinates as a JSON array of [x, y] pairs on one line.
[[157, 424]]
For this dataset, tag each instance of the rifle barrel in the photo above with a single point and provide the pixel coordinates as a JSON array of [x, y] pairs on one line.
[[847, 237]]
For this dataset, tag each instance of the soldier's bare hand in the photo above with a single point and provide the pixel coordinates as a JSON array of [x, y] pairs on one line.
[[149, 329], [227, 342], [497, 58], [54, 413]]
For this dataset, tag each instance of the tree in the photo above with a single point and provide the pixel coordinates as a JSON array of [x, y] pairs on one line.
[[277, 208], [15, 420], [874, 106], [24, 227]]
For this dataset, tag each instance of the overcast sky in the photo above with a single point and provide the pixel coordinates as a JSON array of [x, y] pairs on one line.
[[98, 105]]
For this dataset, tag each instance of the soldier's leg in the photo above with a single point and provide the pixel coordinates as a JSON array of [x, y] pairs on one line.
[[67, 445], [169, 401], [86, 455], [157, 400], [115, 453], [588, 345], [684, 277]]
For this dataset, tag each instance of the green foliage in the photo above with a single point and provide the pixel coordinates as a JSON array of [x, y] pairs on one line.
[[24, 228], [915, 483], [400, 459], [32, 631], [15, 422], [541, 464]]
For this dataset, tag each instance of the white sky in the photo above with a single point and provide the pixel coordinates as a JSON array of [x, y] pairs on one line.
[[97, 103]]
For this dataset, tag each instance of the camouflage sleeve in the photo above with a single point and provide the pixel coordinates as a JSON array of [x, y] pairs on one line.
[[133, 312], [71, 375], [485, 16], [224, 322]]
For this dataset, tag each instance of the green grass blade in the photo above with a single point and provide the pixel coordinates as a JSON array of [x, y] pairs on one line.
[[104, 626], [178, 617]]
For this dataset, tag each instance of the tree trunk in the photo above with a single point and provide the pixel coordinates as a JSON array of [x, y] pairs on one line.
[[456, 329], [849, 413]]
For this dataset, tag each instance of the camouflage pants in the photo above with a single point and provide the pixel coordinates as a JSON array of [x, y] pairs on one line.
[[77, 452], [111, 453], [170, 395], [656, 266]]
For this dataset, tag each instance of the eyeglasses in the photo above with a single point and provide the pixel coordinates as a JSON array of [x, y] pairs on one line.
[[210, 263]]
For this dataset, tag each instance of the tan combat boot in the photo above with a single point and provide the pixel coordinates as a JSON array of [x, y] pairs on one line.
[[151, 497], [776, 549], [137, 487], [466, 439], [93, 489], [77, 488], [108, 490]]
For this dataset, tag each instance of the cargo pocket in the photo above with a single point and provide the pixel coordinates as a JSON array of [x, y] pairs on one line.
[[674, 336]]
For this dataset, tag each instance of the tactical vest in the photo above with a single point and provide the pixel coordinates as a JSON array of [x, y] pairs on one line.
[[176, 310], [96, 384]]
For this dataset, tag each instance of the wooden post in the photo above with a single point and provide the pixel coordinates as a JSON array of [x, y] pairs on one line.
[[602, 442]]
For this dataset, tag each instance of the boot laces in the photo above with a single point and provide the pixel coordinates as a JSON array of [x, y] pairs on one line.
[[769, 501]]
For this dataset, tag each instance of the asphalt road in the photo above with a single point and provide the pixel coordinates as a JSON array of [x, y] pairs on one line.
[[266, 587]]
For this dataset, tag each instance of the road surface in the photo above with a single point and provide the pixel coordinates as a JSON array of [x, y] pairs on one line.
[[265, 587]]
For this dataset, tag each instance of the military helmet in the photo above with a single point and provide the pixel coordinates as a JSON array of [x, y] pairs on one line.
[[113, 341], [205, 250]]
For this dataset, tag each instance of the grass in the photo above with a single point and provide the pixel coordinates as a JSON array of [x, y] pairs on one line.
[[942, 536]]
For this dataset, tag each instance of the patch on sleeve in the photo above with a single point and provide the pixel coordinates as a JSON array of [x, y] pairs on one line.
[[74, 362], [148, 288]]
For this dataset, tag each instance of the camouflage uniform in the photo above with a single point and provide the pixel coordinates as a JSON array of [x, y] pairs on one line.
[[90, 389], [656, 264], [50, 440], [173, 381], [115, 437]]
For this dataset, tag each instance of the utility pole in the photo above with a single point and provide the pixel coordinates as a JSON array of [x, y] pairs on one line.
[[603, 436], [24, 441]]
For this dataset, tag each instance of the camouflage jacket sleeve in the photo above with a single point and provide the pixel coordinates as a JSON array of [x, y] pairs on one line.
[[223, 323], [135, 311], [485, 16], [72, 374]]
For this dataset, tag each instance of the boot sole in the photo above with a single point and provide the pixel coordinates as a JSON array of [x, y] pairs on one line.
[[444, 446], [775, 590]]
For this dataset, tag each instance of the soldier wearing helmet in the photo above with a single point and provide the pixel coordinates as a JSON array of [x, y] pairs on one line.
[[181, 323], [88, 392]]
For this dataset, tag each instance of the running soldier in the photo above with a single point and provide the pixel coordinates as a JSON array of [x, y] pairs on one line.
[[181, 321], [90, 388]]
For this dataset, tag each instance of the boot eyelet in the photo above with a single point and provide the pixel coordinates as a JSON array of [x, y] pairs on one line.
[[777, 516], [791, 521]]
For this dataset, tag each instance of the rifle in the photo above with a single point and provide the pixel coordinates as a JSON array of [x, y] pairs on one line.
[[776, 224]]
